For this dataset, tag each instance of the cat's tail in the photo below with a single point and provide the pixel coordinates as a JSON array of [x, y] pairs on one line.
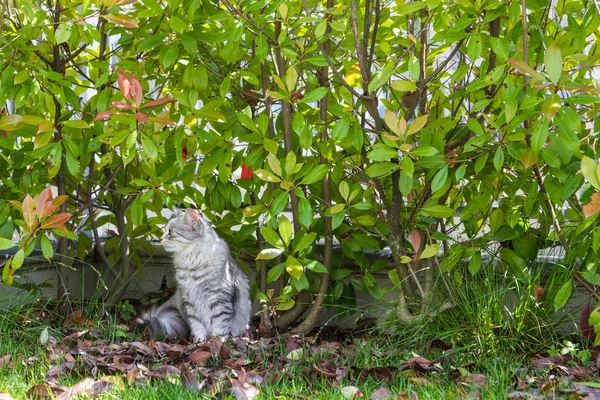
[[163, 321]]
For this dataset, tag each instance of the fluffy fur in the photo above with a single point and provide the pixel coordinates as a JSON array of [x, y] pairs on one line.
[[212, 294]]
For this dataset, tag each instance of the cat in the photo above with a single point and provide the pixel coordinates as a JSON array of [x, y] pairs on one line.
[[212, 293]]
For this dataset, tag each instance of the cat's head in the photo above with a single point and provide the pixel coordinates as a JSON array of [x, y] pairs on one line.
[[183, 229]]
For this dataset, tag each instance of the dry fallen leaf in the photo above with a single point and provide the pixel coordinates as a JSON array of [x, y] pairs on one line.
[[351, 392], [382, 394]]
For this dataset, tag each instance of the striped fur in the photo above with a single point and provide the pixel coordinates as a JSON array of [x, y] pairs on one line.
[[212, 295]]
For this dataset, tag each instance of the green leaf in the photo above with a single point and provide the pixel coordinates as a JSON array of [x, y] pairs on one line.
[[553, 62], [306, 241], [293, 267], [275, 272], [251, 211], [305, 212], [62, 34], [563, 295], [6, 244], [76, 123], [525, 69], [279, 203], [315, 95], [403, 86], [437, 211], [17, 260], [406, 182], [285, 229], [266, 175], [320, 29], [380, 78], [177, 24], [315, 175], [589, 170], [344, 190], [381, 169], [430, 251], [149, 147], [272, 237], [439, 179], [315, 266], [424, 151], [381, 152], [499, 159], [475, 263], [268, 254]]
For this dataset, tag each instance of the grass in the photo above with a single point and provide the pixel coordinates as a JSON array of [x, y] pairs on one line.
[[488, 336], [294, 378]]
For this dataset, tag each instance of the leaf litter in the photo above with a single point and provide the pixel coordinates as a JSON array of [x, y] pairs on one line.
[[219, 367]]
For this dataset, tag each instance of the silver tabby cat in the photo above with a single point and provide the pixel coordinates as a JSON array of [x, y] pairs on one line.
[[212, 293]]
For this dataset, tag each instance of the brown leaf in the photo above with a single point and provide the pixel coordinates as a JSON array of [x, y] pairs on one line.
[[381, 373], [245, 391], [326, 368], [522, 395], [521, 384], [142, 348], [340, 373], [548, 362], [586, 330], [132, 375], [419, 364], [190, 382], [199, 357], [218, 348], [163, 371], [476, 379], [382, 394], [43, 392], [174, 351], [593, 206], [5, 361]]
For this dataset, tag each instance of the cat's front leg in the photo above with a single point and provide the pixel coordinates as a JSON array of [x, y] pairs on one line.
[[198, 330]]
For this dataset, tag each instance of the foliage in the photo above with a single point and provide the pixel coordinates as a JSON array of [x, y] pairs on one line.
[[421, 126]]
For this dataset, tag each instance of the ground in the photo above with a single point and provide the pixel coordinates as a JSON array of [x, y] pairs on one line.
[[78, 358]]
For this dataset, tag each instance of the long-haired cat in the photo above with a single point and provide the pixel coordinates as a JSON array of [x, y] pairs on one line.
[[212, 293]]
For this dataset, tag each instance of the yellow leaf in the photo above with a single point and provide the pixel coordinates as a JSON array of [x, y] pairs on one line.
[[417, 124]]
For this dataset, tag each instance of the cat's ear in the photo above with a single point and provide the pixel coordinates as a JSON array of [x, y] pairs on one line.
[[176, 211], [191, 219]]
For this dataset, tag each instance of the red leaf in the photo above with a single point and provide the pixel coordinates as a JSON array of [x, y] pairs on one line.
[[157, 102], [586, 330], [56, 220], [136, 92], [415, 240], [103, 115], [43, 204], [29, 211], [593, 206], [124, 84], [141, 117], [246, 172], [130, 87], [121, 105]]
